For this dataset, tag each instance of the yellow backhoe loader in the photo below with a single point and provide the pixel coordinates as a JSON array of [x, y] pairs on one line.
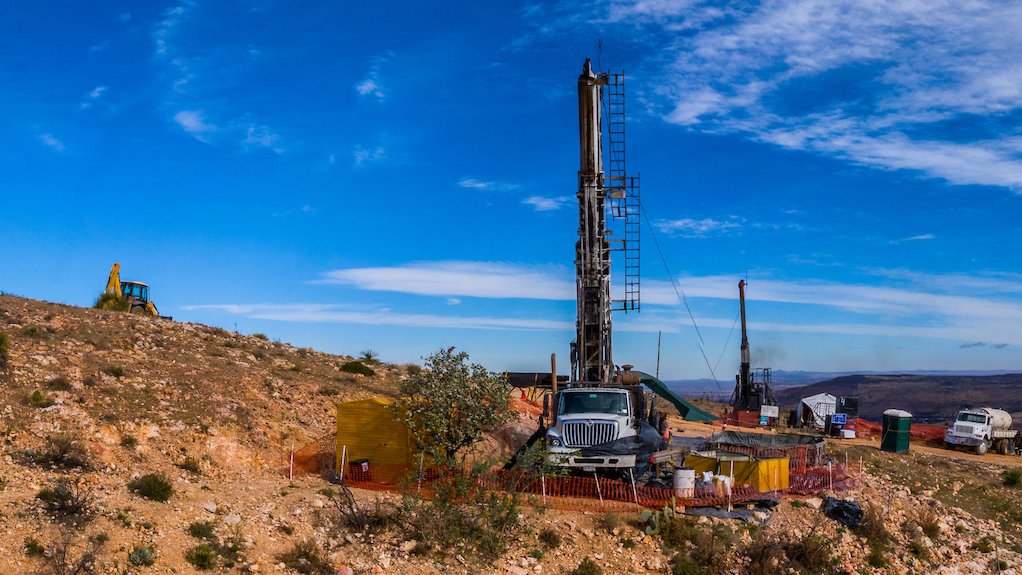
[[135, 293]]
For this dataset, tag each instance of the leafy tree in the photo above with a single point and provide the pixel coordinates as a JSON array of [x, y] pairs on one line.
[[451, 404]]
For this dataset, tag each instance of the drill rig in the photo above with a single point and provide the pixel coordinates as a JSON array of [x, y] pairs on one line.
[[599, 418], [751, 393]]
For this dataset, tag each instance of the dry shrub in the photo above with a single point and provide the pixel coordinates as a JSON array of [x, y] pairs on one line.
[[808, 554], [69, 501], [363, 517]]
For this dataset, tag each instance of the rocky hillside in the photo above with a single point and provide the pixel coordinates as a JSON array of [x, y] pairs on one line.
[[98, 409]]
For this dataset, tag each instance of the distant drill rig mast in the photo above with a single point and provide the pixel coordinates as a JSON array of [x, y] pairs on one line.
[[592, 359], [750, 395]]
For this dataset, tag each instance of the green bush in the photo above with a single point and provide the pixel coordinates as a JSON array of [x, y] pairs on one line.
[[261, 336], [33, 331], [114, 370], [152, 486], [357, 367], [129, 441], [33, 548], [370, 356], [464, 513], [452, 403], [587, 567], [1012, 477], [306, 558], [202, 530], [112, 302], [142, 556], [39, 398], [202, 556]]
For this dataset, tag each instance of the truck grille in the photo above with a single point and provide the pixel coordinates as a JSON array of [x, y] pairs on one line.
[[964, 429], [588, 433]]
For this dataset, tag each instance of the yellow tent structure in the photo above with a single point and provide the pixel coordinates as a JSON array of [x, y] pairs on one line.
[[368, 432], [763, 474]]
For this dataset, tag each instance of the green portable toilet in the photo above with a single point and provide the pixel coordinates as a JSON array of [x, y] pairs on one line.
[[894, 437]]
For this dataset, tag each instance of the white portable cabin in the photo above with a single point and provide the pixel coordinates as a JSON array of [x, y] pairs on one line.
[[813, 410]]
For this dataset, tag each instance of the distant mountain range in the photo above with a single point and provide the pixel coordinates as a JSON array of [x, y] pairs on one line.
[[934, 396]]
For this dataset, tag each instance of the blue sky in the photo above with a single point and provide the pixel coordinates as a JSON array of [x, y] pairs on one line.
[[401, 177]]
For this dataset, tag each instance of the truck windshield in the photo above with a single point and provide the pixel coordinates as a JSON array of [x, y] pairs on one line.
[[972, 417], [593, 402]]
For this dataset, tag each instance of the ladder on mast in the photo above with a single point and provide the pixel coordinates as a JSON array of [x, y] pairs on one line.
[[622, 192]]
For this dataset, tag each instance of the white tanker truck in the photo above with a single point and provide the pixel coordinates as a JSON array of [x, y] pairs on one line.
[[980, 429]]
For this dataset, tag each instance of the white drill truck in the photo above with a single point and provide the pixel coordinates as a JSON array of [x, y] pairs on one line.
[[592, 416], [980, 429]]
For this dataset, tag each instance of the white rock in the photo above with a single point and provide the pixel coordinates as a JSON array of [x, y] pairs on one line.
[[210, 507], [232, 519]]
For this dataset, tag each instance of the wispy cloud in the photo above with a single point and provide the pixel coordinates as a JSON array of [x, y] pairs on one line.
[[870, 81], [542, 204], [262, 137], [339, 314], [370, 86], [90, 98], [475, 184], [48, 140], [193, 122], [364, 156], [918, 238], [692, 228], [464, 279], [198, 80]]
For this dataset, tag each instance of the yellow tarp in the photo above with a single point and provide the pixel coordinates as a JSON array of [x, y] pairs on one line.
[[367, 429], [764, 475]]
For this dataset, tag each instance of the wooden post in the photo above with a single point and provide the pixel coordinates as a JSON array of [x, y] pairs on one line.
[[635, 494], [598, 492], [553, 372], [542, 481]]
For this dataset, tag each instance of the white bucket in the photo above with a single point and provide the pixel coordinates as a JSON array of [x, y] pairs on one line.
[[847, 434], [684, 482]]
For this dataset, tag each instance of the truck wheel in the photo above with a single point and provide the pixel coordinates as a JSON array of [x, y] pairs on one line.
[[1002, 446], [982, 448], [949, 445]]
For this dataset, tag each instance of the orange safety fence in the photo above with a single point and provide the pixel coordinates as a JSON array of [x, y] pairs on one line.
[[925, 432], [576, 492]]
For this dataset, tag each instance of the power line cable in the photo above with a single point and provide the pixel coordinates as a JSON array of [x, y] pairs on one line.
[[681, 295]]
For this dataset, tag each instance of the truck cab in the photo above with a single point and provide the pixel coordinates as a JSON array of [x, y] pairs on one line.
[[585, 417]]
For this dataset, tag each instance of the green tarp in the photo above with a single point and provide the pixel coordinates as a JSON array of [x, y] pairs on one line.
[[689, 411]]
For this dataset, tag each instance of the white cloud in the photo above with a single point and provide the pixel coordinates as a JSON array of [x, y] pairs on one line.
[[90, 98], [48, 140], [692, 228], [466, 279], [920, 237], [338, 314], [542, 204], [363, 156], [193, 122], [453, 301], [262, 137], [869, 81], [371, 85], [475, 184]]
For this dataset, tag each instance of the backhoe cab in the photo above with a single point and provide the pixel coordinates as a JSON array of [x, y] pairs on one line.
[[135, 293]]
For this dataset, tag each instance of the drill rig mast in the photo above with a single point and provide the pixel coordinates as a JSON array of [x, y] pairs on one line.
[[594, 363]]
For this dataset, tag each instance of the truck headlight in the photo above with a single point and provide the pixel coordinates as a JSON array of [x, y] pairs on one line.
[[555, 442]]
